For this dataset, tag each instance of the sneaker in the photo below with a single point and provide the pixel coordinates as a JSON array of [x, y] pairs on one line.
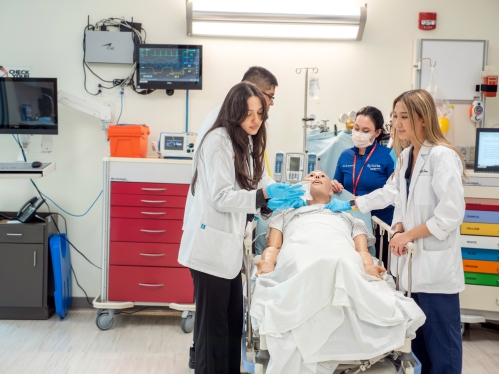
[[192, 363]]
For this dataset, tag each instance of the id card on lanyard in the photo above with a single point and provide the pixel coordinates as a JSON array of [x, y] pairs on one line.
[[355, 182]]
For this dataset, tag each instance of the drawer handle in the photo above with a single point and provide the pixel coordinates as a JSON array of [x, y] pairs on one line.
[[12, 234], [150, 285], [152, 230], [157, 213], [153, 254], [153, 189], [154, 201]]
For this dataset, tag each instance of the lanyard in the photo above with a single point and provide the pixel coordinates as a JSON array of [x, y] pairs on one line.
[[355, 183]]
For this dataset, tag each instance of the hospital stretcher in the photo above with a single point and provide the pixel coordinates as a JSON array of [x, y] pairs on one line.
[[255, 355]]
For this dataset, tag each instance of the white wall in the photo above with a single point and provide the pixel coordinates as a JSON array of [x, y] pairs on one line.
[[47, 36]]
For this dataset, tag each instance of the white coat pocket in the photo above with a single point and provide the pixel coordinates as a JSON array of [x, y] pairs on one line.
[[436, 268], [211, 246]]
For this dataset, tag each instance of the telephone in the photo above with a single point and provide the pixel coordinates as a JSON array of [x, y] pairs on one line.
[[28, 210]]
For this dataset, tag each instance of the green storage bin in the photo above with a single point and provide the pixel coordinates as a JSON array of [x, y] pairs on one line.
[[482, 279]]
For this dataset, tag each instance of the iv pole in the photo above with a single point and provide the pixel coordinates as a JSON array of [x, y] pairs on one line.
[[305, 119]]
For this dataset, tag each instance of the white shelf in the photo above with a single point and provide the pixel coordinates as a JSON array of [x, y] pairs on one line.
[[23, 170]]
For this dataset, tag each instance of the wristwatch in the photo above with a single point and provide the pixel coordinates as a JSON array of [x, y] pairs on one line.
[[353, 205]]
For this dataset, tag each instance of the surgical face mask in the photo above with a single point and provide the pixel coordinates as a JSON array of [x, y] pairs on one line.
[[361, 140]]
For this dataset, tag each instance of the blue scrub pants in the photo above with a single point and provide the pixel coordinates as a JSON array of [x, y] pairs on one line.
[[438, 344]]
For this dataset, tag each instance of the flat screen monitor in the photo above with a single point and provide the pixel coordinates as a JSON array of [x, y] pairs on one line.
[[169, 66], [28, 106], [487, 150]]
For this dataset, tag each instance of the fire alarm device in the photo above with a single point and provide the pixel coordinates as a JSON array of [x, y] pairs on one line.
[[427, 21]]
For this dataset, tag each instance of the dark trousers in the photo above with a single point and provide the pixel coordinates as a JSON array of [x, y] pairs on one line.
[[219, 323], [382, 256], [438, 344]]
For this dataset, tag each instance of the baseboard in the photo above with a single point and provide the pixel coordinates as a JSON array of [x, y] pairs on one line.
[[81, 303]]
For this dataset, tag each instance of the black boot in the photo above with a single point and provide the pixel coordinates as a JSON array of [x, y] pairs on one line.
[[192, 363]]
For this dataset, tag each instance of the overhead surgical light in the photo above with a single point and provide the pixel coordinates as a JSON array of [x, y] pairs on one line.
[[313, 19]]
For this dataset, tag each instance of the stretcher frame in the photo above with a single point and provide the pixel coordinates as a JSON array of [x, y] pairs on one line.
[[254, 353]]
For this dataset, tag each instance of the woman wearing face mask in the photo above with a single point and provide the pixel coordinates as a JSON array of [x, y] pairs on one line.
[[367, 166]]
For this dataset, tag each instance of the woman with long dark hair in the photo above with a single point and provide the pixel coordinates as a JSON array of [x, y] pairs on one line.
[[225, 194]]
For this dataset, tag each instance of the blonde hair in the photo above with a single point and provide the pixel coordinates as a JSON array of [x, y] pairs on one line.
[[420, 105]]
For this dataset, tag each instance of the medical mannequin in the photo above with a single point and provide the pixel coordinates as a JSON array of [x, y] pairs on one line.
[[322, 192], [429, 210]]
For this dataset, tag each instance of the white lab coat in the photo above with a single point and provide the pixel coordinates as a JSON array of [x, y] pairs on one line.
[[436, 197], [378, 199], [215, 218]]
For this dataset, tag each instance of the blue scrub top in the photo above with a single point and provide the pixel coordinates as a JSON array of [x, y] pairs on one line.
[[375, 174]]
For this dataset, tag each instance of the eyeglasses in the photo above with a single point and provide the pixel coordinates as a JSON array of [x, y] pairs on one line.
[[271, 97]]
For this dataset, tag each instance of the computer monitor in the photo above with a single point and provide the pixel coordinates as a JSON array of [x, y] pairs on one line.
[[487, 150], [169, 66], [28, 106]]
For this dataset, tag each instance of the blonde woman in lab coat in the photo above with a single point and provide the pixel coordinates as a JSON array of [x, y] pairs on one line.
[[429, 209], [226, 191]]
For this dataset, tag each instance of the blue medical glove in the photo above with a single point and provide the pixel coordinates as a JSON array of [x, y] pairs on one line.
[[283, 204], [338, 205], [282, 191]]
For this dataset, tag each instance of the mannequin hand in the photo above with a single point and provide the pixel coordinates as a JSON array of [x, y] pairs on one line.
[[293, 202], [282, 191], [264, 267], [337, 186], [338, 206], [398, 242], [375, 270]]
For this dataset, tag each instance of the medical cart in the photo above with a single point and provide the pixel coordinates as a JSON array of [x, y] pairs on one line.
[[143, 211]]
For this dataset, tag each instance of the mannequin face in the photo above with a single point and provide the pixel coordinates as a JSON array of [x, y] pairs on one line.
[[320, 185], [253, 121]]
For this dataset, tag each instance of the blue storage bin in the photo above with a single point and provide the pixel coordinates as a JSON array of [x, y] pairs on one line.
[[480, 254], [61, 263]]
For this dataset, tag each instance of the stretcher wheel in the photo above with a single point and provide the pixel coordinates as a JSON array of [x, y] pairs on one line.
[[187, 323], [104, 321]]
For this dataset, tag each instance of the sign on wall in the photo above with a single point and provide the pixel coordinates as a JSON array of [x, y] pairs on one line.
[[14, 71]]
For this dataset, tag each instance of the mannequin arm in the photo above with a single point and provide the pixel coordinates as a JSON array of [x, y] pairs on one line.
[[369, 267], [269, 255]]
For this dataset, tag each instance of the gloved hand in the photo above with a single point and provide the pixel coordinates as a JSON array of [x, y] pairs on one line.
[[283, 204], [283, 191], [338, 205]]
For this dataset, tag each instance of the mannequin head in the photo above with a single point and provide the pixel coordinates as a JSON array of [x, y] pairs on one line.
[[320, 187]]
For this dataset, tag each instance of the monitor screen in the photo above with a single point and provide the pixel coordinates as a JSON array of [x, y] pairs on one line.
[[165, 66], [174, 143], [28, 106], [294, 164], [487, 150]]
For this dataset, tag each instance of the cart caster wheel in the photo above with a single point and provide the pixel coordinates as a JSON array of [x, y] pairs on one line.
[[187, 323], [100, 311], [104, 321], [258, 369]]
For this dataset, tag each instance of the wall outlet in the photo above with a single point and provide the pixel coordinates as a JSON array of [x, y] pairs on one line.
[[464, 151], [471, 154]]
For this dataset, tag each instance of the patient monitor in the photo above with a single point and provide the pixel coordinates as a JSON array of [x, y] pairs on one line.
[[294, 166]]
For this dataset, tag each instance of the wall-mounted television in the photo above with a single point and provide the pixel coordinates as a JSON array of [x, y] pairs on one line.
[[169, 66], [28, 106]]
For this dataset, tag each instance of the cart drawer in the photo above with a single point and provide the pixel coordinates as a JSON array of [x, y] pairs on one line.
[[150, 284], [481, 216], [482, 279], [485, 229], [145, 230], [144, 254], [480, 242], [480, 254], [21, 233], [148, 201], [132, 188], [146, 212], [480, 298], [490, 267]]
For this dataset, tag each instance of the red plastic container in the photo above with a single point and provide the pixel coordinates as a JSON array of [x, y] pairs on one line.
[[128, 141]]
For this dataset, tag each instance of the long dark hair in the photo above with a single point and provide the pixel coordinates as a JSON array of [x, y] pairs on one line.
[[234, 111], [375, 115]]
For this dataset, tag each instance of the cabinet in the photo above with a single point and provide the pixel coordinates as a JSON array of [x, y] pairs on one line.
[[144, 201], [26, 276]]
